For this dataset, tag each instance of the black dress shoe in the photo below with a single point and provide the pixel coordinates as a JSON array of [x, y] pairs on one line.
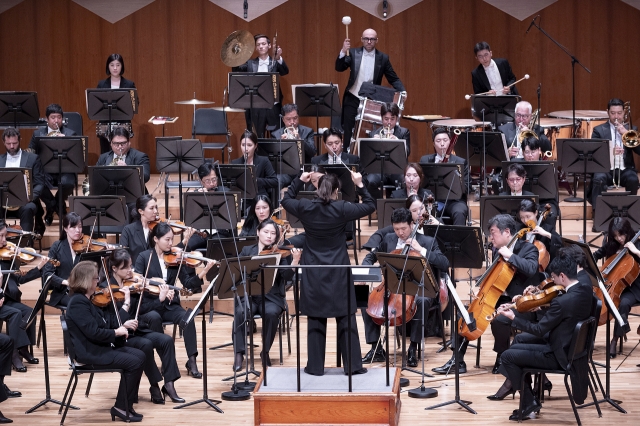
[[12, 394], [412, 357], [237, 363], [449, 368], [156, 396], [28, 357], [133, 413], [268, 359], [48, 218], [174, 399], [374, 356], [502, 393], [3, 419], [524, 415], [22, 369], [360, 371], [195, 374], [116, 413]]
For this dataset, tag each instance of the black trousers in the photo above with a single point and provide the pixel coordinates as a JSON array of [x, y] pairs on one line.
[[600, 182], [627, 300], [458, 212], [501, 328], [350, 106], [375, 179], [270, 318], [131, 360], [175, 315], [6, 351], [25, 311], [163, 344], [26, 214], [372, 330], [68, 181], [317, 342], [12, 318]]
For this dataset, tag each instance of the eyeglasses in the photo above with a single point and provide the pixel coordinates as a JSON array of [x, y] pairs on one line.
[[515, 179], [208, 181], [523, 116], [485, 55], [119, 143], [369, 40]]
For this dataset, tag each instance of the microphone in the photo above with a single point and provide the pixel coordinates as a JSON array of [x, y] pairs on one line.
[[246, 8], [539, 88], [530, 25], [385, 8]]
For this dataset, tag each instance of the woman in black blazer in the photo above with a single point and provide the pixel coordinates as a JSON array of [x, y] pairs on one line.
[[268, 234], [168, 304], [413, 180], [259, 211], [145, 339], [97, 342], [62, 251], [136, 235], [265, 174]]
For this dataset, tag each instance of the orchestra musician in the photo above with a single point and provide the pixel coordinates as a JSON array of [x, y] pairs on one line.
[[403, 223], [268, 234], [264, 63], [622, 163], [456, 209], [264, 172], [121, 153], [136, 235], [94, 338], [62, 250], [259, 211], [144, 338], [552, 332], [294, 130], [619, 236], [332, 139], [512, 131], [54, 127], [413, 180], [365, 64], [6, 349], [168, 305], [516, 175], [492, 75], [544, 233], [16, 157], [524, 258], [325, 221], [390, 130]]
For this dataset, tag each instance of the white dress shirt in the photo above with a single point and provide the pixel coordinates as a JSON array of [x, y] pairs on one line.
[[365, 73], [494, 77], [14, 160]]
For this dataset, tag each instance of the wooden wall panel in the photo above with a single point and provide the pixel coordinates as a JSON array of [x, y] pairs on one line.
[[171, 49]]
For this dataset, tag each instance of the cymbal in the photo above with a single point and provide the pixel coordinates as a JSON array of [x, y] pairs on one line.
[[194, 101], [237, 48], [228, 109]]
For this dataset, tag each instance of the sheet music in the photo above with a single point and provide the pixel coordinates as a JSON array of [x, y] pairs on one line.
[[454, 293], [605, 293], [205, 294]]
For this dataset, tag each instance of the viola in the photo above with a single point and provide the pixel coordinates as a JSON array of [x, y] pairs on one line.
[[276, 249], [541, 296], [25, 254], [177, 226], [138, 283], [16, 230], [176, 256], [543, 253], [102, 296], [93, 244]]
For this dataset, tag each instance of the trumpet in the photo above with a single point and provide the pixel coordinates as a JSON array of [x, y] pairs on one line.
[[386, 133], [290, 133]]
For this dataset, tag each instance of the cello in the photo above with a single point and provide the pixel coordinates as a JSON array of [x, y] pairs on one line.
[[543, 253], [619, 272], [492, 284]]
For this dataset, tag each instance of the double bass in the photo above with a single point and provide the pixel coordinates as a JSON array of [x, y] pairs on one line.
[[493, 284]]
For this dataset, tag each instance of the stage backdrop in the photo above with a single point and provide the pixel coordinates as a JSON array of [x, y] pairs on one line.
[[172, 50]]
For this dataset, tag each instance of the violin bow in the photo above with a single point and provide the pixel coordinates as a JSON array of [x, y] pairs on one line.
[[113, 300], [93, 227], [144, 283]]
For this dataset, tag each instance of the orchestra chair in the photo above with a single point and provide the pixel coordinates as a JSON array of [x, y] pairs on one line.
[[625, 336], [581, 346], [283, 318], [596, 307], [77, 370], [74, 122], [211, 122]]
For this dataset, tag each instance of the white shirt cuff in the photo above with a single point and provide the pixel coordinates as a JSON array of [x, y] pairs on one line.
[[341, 55]]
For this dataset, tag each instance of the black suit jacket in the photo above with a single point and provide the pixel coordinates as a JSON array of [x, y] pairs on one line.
[[277, 292], [524, 193], [306, 134], [481, 81], [603, 131], [402, 193], [31, 161], [265, 174], [124, 83], [61, 251], [13, 281], [400, 133], [509, 130], [133, 158], [453, 159], [525, 260], [42, 131], [133, 237], [382, 67], [274, 66]]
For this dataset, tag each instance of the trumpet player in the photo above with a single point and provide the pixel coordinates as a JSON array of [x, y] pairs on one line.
[[294, 130], [623, 171], [122, 154], [511, 131]]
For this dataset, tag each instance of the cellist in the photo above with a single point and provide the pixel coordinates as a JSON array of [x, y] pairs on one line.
[[402, 222], [543, 232], [524, 258], [619, 236]]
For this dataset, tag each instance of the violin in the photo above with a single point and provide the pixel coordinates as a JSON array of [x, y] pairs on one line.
[[177, 226], [543, 253], [138, 283], [177, 256], [102, 296], [16, 230], [276, 249], [540, 296], [93, 244], [25, 254]]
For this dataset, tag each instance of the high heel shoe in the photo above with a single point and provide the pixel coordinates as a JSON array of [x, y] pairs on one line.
[[116, 413], [173, 399], [546, 387], [28, 357], [505, 389], [158, 398], [22, 369], [195, 374]]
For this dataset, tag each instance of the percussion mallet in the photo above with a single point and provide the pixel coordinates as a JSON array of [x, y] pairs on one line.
[[346, 20], [526, 77]]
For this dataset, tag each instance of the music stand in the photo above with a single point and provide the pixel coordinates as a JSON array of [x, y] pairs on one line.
[[19, 108], [384, 156], [111, 104], [319, 100], [208, 210], [239, 177], [498, 109], [443, 180], [491, 205], [484, 149], [253, 90], [67, 154], [109, 213], [612, 205], [127, 181], [286, 156], [541, 178], [584, 156], [226, 247], [385, 210], [16, 186], [172, 156]]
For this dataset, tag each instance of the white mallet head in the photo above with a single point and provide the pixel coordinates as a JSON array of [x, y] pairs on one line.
[[346, 20], [526, 76], [467, 97]]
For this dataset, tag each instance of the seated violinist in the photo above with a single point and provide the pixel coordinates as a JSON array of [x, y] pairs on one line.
[[136, 235], [621, 236], [403, 226], [268, 235], [523, 257]]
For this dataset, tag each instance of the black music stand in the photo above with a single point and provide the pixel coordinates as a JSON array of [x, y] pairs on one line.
[[111, 104], [384, 156], [188, 317], [109, 213], [286, 156], [491, 205], [15, 190], [610, 205], [253, 90], [443, 180], [317, 100], [59, 155], [221, 248], [484, 149], [498, 109], [347, 187], [172, 156], [462, 245], [19, 108], [39, 308], [584, 156], [207, 210], [239, 177], [385, 209], [127, 181], [541, 178]]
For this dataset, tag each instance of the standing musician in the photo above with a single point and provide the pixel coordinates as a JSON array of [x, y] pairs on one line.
[[553, 333], [522, 122], [62, 250], [259, 211], [325, 220], [145, 339], [268, 235], [332, 139], [389, 130], [619, 236], [264, 63], [54, 127], [403, 223], [524, 258], [622, 164], [456, 209], [136, 235], [94, 338], [16, 157], [366, 64], [492, 75], [168, 305], [265, 175], [121, 153], [413, 180], [6, 349]]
